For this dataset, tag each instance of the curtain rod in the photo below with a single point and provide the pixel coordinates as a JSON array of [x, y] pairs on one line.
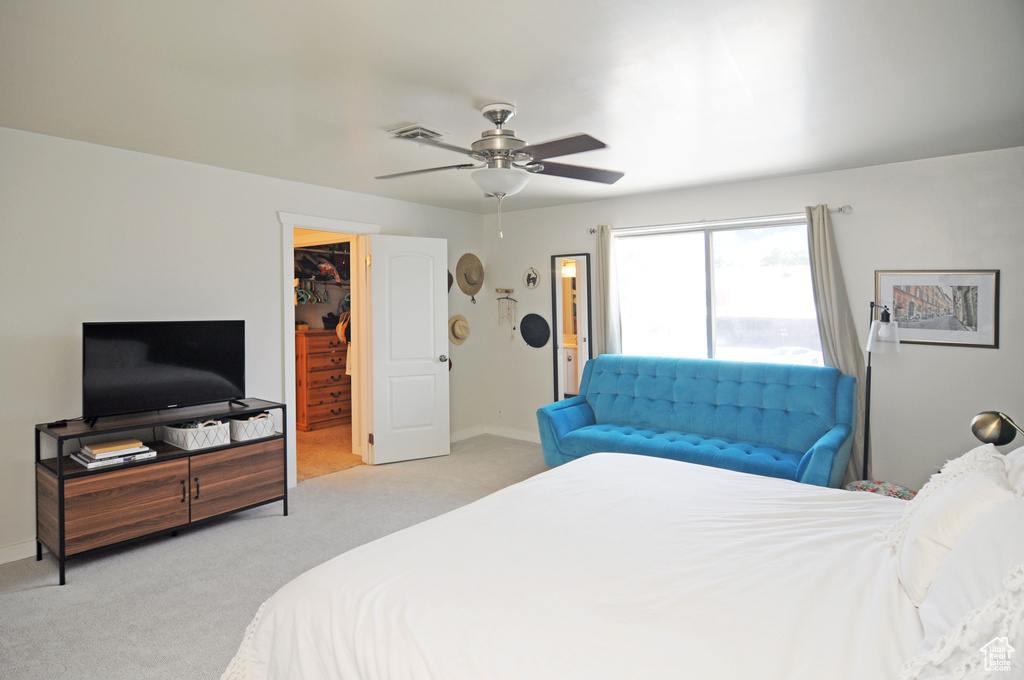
[[735, 223]]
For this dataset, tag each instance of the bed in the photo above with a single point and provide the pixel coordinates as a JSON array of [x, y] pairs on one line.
[[623, 566]]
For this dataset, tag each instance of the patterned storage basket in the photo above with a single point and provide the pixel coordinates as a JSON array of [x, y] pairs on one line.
[[255, 427], [207, 434]]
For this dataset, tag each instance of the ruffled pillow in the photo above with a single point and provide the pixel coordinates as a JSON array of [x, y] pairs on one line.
[[976, 602], [1015, 470], [985, 456], [941, 521]]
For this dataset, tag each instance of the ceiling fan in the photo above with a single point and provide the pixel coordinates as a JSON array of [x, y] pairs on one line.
[[505, 162]]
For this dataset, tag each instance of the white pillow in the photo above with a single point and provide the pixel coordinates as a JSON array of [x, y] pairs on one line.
[[985, 456], [1015, 470], [939, 522], [977, 596]]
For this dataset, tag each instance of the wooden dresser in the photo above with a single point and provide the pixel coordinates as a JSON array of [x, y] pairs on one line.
[[323, 391]]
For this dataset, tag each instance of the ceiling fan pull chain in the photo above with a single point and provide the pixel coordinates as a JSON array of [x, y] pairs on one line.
[[501, 234]]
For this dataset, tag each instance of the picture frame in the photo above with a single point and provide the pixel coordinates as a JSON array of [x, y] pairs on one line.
[[531, 278], [942, 307]]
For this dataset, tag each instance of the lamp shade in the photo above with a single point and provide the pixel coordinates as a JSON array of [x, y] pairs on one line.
[[500, 181], [993, 427], [884, 337]]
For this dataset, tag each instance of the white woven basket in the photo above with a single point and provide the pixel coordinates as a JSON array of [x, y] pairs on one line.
[[210, 433], [255, 427]]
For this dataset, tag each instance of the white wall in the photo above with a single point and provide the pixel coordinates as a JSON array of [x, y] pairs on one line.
[[958, 212], [94, 233]]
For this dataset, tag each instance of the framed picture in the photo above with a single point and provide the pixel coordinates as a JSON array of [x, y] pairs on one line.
[[942, 307], [531, 278]]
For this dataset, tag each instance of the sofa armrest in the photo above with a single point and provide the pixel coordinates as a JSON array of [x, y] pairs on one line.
[[825, 463], [557, 420]]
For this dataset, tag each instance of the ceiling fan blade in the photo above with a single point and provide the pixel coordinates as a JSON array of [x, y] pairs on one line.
[[563, 146], [461, 166], [579, 172], [440, 145]]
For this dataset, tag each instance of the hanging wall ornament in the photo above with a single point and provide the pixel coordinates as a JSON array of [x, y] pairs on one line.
[[535, 330], [508, 310], [469, 274], [531, 278]]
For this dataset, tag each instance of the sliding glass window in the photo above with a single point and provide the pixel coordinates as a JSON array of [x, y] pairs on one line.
[[738, 290]]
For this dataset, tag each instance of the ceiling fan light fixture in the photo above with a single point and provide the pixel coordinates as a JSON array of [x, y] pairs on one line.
[[500, 181]]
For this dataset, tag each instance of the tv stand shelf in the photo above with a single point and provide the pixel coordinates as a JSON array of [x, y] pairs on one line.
[[80, 510]]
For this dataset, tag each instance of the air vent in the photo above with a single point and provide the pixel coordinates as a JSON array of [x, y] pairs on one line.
[[417, 132]]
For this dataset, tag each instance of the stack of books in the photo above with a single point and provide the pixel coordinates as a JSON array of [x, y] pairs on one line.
[[102, 454]]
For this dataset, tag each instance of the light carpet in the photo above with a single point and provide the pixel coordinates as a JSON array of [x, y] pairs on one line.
[[321, 452], [177, 607]]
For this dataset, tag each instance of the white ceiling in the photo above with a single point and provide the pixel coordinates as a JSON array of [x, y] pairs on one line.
[[684, 92]]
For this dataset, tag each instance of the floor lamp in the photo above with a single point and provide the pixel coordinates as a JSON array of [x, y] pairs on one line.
[[884, 336]]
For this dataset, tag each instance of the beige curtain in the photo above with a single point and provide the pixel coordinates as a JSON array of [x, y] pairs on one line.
[[839, 342], [607, 331]]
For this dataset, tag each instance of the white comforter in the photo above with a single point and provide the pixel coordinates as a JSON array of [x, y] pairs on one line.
[[613, 566]]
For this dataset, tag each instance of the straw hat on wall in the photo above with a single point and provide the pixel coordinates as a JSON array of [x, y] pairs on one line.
[[469, 274], [458, 329]]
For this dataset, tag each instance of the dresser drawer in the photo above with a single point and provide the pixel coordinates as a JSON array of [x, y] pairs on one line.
[[339, 410], [333, 378], [325, 362], [323, 343], [329, 395]]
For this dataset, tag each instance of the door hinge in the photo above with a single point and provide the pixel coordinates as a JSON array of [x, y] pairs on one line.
[[371, 437], [369, 260]]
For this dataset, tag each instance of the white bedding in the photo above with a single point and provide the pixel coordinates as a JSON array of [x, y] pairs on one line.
[[613, 566]]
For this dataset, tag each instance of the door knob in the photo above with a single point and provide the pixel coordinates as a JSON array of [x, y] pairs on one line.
[[442, 358]]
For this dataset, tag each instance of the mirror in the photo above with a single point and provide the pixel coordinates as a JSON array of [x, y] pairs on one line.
[[570, 311]]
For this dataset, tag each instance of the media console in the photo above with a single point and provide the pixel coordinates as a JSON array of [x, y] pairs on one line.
[[79, 511]]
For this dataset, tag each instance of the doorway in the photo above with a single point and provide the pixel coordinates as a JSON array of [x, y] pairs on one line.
[[570, 305], [338, 229], [323, 304], [397, 351]]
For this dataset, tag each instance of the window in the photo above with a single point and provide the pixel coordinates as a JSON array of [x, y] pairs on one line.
[[737, 290]]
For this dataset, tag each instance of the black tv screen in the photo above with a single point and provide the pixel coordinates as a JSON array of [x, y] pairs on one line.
[[134, 366]]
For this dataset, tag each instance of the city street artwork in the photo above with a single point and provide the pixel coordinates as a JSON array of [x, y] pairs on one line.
[[942, 307]]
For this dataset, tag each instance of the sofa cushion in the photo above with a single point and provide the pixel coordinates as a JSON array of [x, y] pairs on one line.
[[731, 454], [786, 407]]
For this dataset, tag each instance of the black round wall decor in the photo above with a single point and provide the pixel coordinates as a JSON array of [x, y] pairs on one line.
[[535, 330]]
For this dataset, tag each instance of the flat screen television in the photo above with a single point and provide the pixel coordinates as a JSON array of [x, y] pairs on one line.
[[134, 366]]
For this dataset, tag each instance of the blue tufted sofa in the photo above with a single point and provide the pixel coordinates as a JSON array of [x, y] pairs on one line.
[[776, 420]]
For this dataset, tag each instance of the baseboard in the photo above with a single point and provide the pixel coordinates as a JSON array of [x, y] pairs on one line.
[[532, 437], [467, 433], [18, 551]]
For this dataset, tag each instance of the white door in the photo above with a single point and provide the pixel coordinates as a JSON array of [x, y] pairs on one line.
[[409, 343]]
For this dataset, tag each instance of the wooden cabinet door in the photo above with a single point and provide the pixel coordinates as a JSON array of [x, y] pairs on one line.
[[115, 506], [236, 478]]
